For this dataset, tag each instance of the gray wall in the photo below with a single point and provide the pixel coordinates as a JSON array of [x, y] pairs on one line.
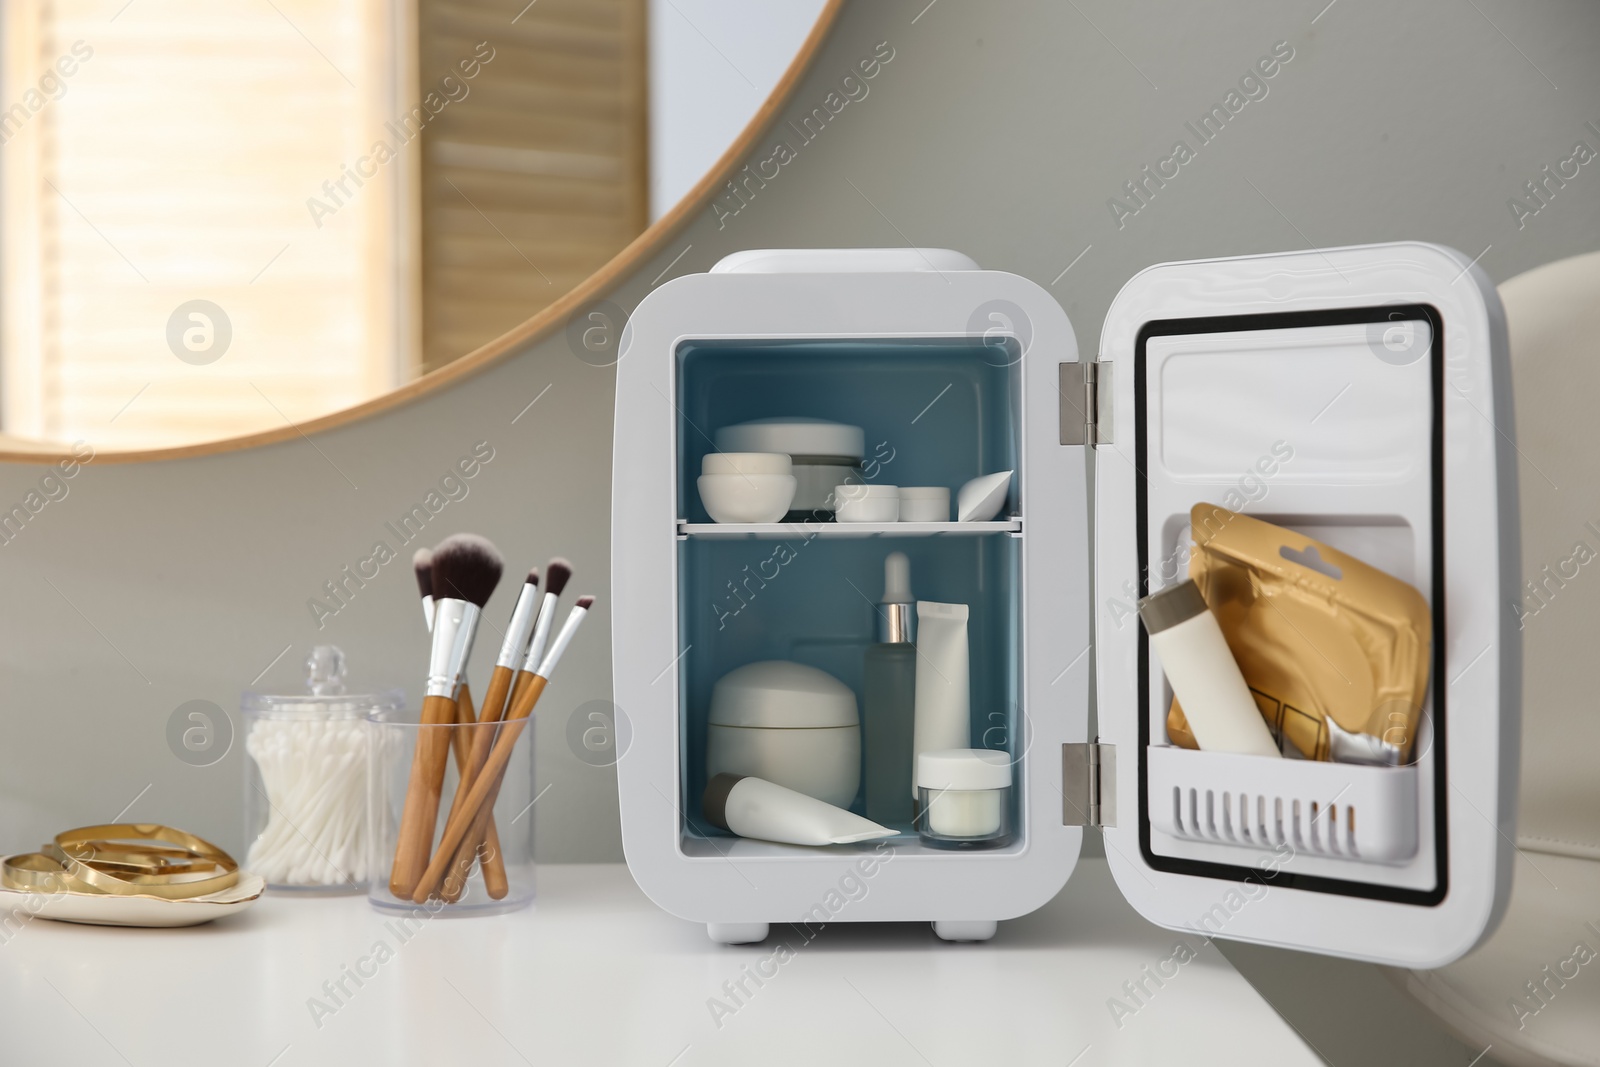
[[1001, 129]]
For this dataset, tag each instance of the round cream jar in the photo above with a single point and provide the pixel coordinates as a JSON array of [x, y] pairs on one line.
[[964, 798], [789, 724]]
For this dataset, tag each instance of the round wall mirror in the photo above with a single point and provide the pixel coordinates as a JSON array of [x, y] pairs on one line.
[[218, 220]]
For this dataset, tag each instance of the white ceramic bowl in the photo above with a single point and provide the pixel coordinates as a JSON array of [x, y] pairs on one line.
[[746, 463], [866, 503], [746, 497], [924, 503]]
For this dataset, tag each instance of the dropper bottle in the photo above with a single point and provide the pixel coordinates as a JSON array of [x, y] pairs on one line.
[[889, 699]]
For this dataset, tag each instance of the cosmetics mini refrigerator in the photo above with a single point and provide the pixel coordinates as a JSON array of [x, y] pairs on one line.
[[1357, 396]]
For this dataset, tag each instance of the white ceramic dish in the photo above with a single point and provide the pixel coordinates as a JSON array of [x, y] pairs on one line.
[[867, 503], [746, 497], [746, 463], [924, 503], [796, 437], [107, 910], [982, 498]]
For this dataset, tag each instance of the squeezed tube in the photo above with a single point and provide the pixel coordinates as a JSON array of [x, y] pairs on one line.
[[943, 716], [754, 807]]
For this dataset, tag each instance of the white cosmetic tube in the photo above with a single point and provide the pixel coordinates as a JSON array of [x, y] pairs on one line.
[[1203, 673], [943, 702], [753, 807]]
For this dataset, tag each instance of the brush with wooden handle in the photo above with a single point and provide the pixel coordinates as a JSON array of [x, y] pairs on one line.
[[475, 809], [558, 572], [519, 631], [495, 868], [466, 568], [494, 864], [528, 651], [474, 747]]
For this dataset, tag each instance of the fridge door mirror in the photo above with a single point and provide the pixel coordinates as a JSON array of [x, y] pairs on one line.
[[1358, 397]]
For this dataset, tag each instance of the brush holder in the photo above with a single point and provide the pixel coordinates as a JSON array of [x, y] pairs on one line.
[[391, 741], [305, 796]]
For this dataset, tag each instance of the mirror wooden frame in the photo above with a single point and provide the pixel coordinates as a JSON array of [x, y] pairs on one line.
[[536, 328]]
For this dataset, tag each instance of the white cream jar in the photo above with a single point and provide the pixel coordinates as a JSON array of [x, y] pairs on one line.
[[964, 797], [789, 724]]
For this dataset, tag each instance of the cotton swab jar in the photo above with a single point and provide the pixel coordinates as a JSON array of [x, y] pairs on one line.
[[306, 787]]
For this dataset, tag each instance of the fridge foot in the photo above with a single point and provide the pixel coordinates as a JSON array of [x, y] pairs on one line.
[[742, 933], [969, 930]]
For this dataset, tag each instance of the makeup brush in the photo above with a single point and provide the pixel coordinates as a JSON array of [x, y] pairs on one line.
[[478, 806], [473, 745], [518, 633], [461, 740], [422, 563], [557, 573], [466, 568]]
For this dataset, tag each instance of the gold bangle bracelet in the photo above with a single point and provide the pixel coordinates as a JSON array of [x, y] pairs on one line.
[[42, 872], [146, 854], [34, 872], [121, 859], [140, 868], [77, 846]]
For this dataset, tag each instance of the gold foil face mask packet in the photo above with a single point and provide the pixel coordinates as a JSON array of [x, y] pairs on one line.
[[1335, 651]]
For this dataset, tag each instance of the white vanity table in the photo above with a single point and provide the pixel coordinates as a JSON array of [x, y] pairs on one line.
[[594, 973]]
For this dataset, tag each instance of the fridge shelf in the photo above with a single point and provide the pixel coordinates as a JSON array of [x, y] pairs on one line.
[[782, 531]]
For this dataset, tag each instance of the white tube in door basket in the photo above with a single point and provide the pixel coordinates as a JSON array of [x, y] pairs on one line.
[[1204, 676]]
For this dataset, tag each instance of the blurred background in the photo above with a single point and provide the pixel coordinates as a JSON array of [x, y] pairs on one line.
[[220, 216]]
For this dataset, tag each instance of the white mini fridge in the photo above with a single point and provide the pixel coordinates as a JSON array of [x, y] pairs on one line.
[[1381, 371]]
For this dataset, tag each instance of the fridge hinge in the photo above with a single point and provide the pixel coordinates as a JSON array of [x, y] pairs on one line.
[[1088, 784], [1085, 402]]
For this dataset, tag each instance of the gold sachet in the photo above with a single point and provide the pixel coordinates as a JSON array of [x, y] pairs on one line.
[[1318, 635]]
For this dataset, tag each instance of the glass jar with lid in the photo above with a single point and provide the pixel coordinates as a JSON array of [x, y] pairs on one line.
[[305, 797]]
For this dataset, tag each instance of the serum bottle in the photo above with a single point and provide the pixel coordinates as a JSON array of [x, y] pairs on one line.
[[888, 714]]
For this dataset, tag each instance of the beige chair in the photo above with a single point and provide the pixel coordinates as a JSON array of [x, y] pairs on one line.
[[1532, 991]]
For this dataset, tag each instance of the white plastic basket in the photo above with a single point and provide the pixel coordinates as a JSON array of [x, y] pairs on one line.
[[1337, 810]]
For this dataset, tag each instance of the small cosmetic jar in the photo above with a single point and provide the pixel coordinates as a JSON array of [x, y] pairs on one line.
[[964, 798], [867, 503], [824, 454], [746, 486], [924, 503]]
